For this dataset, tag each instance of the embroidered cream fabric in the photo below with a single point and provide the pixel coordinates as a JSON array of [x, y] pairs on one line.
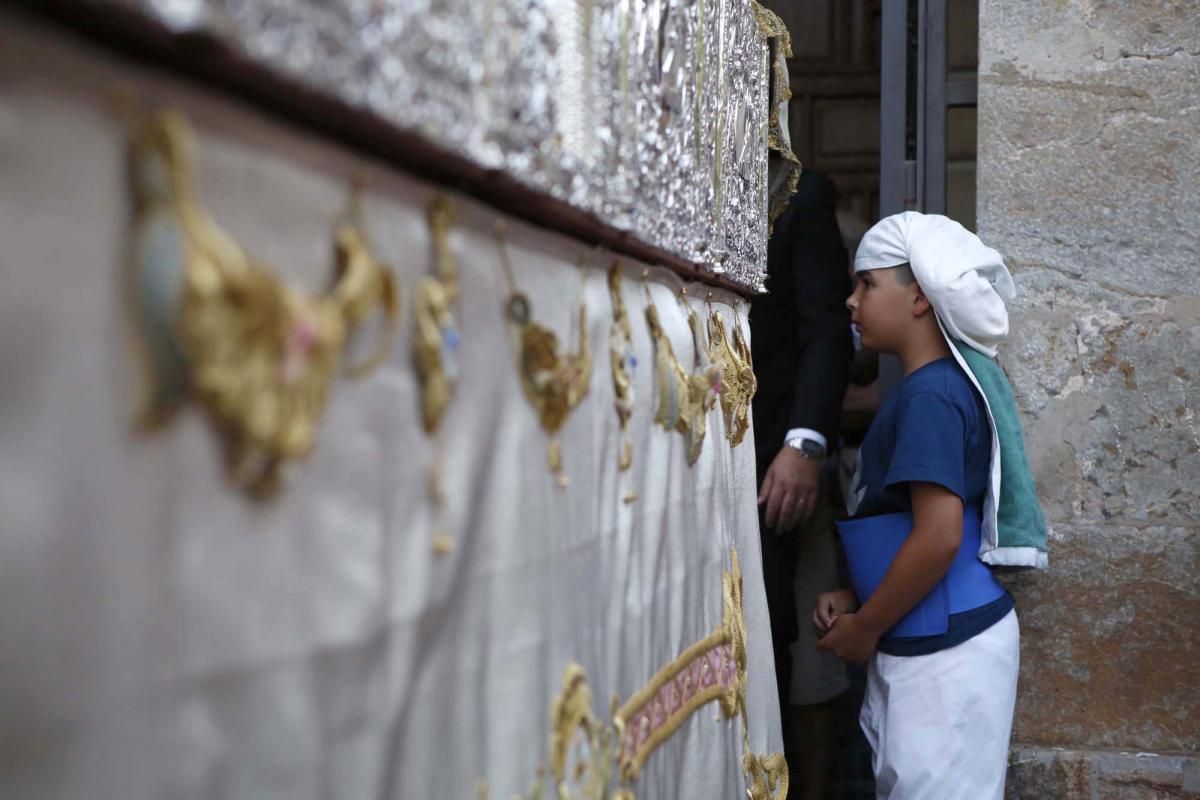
[[583, 762], [436, 342], [684, 397], [257, 355], [712, 669], [622, 361], [554, 383], [738, 381], [185, 642]]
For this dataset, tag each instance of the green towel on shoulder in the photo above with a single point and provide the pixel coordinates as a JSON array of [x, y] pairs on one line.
[[1020, 533]]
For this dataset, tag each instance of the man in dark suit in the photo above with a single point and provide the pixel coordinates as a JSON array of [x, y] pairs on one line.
[[802, 350]]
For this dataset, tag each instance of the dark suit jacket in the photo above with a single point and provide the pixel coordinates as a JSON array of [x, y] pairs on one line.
[[801, 330]]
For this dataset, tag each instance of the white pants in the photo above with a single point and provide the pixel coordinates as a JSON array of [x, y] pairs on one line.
[[939, 724]]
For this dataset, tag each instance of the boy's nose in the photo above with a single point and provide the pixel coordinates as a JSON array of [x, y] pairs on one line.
[[852, 302]]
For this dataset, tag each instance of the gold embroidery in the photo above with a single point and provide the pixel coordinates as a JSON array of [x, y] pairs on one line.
[[622, 361], [581, 747], [435, 348], [785, 168], [435, 354], [684, 398], [738, 379], [712, 669], [741, 349], [362, 284], [256, 355], [768, 776], [554, 384], [580, 744]]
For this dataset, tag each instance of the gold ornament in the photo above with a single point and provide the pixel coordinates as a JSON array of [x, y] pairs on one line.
[[362, 284], [622, 361], [767, 775], [220, 328], [738, 379], [684, 398], [553, 383], [580, 744], [742, 349], [587, 756], [435, 353], [435, 347]]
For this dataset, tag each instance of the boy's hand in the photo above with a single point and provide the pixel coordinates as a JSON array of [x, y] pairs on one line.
[[830, 606], [789, 489], [850, 638]]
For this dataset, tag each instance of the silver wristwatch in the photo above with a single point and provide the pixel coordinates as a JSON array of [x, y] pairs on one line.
[[809, 448]]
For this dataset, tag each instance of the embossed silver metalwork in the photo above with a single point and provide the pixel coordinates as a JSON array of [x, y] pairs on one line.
[[651, 115]]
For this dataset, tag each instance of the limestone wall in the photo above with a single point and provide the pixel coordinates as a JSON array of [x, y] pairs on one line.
[[1089, 183]]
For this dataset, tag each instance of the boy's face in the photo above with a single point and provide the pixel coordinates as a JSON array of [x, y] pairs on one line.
[[882, 307]]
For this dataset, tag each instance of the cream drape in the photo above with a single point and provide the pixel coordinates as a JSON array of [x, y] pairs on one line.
[[165, 637]]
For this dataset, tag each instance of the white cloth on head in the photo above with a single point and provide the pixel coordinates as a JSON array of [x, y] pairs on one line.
[[939, 724], [966, 281]]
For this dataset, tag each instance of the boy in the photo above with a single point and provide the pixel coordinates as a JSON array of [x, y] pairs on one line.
[[939, 633]]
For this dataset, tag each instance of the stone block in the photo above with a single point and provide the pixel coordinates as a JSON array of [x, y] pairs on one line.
[[1039, 773]]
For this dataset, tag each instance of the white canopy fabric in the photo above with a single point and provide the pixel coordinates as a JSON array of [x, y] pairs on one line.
[[163, 636]]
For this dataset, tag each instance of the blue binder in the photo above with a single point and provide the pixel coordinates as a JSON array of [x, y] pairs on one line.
[[871, 544]]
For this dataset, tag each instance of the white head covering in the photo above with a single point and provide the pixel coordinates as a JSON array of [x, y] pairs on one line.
[[966, 282]]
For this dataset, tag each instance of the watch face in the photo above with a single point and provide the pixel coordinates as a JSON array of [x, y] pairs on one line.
[[812, 449]]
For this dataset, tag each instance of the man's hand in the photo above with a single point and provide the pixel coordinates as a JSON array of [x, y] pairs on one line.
[[790, 489], [850, 638], [830, 606]]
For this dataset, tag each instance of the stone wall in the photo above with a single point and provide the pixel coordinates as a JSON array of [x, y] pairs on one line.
[[1089, 183]]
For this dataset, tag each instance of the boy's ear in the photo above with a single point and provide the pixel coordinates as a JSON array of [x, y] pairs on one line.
[[920, 303]]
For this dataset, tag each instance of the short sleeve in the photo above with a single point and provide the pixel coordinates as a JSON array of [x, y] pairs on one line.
[[931, 443]]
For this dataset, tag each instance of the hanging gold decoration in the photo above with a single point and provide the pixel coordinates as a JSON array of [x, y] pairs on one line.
[[767, 776], [435, 352], [669, 378], [553, 383], [220, 328], [749, 381], [684, 398], [435, 348], [738, 379], [623, 361]]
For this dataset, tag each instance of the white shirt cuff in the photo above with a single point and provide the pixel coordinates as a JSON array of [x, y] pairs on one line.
[[805, 433]]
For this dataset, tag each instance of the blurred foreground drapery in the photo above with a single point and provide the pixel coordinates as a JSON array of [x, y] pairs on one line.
[[166, 636]]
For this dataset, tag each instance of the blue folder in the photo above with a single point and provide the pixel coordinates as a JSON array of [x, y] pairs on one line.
[[871, 544]]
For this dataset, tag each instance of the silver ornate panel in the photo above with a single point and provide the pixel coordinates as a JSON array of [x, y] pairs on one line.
[[650, 114]]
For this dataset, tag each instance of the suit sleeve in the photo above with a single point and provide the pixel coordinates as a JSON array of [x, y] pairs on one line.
[[820, 290]]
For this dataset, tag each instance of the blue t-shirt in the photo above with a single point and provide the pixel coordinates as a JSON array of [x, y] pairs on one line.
[[933, 428]]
